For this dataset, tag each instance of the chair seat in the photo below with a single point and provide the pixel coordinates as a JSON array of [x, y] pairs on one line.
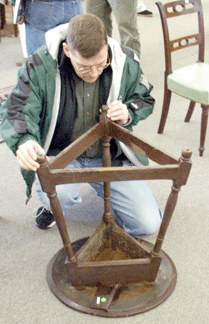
[[191, 82]]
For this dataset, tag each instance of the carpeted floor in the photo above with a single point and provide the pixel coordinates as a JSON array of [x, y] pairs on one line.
[[4, 93]]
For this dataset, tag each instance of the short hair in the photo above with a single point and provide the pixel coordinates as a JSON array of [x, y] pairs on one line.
[[86, 35]]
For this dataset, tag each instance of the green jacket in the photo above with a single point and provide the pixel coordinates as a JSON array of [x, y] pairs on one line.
[[31, 111]]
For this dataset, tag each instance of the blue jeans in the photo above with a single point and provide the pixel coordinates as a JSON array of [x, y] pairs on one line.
[[133, 206], [40, 16]]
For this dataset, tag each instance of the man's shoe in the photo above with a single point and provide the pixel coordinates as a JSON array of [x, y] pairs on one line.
[[145, 13], [45, 218]]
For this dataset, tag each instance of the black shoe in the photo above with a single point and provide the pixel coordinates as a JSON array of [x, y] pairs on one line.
[[45, 218], [145, 13]]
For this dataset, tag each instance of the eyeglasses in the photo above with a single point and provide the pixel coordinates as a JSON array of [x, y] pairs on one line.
[[99, 67]]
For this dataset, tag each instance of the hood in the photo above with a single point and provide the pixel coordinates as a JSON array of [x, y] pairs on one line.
[[54, 37]]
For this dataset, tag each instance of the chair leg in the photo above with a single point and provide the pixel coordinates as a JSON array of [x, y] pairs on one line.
[[204, 122], [2, 14], [15, 30], [190, 111], [166, 104]]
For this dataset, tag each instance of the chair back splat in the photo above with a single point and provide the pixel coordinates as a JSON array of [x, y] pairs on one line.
[[191, 81], [111, 259]]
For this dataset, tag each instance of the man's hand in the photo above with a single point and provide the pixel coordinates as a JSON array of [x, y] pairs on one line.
[[27, 155], [118, 112], [21, 20]]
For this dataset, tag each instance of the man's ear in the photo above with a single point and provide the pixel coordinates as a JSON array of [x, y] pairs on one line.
[[66, 49]]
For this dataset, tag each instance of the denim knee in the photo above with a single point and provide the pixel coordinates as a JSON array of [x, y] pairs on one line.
[[138, 227]]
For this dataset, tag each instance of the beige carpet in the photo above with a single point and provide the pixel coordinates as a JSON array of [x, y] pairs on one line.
[[4, 94]]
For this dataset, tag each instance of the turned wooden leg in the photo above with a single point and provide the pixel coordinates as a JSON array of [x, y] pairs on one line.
[[190, 111], [15, 30], [48, 186], [204, 122], [166, 104], [2, 15], [185, 166]]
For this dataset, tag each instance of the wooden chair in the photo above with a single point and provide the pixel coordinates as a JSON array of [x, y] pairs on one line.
[[191, 82], [3, 17], [110, 258]]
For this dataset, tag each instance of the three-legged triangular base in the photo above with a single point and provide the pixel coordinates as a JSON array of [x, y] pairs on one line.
[[125, 301], [112, 273]]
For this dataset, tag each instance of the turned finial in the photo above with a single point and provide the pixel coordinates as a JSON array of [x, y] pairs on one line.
[[41, 158], [186, 154], [104, 109]]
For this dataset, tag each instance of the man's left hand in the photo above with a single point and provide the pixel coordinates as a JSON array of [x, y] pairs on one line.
[[118, 112]]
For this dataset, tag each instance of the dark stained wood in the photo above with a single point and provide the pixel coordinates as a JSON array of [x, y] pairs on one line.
[[172, 10], [110, 254]]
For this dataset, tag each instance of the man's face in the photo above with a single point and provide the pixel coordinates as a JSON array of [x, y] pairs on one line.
[[88, 69]]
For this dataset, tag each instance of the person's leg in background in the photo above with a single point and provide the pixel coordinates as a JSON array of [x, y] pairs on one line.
[[40, 16], [23, 44], [126, 17], [142, 10], [101, 9]]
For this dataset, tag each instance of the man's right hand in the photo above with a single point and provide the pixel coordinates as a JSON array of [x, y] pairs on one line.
[[27, 155]]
